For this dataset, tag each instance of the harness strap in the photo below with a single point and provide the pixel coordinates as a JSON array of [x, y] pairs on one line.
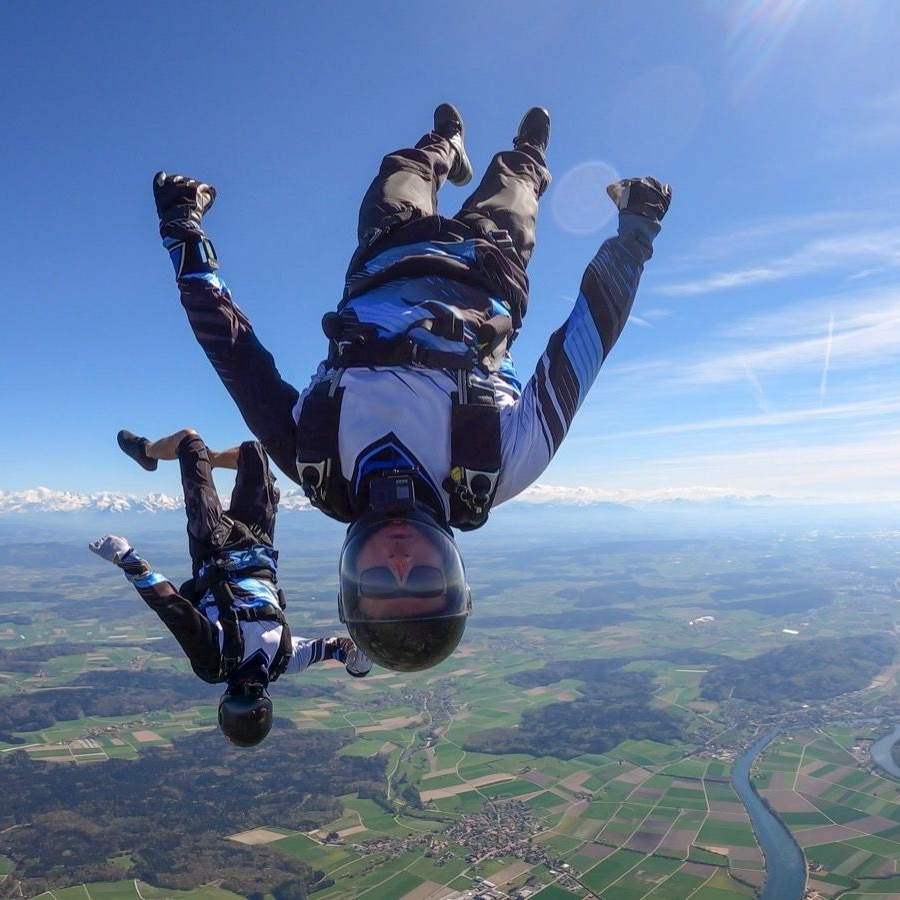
[[233, 641], [215, 579], [318, 459], [285, 651], [474, 454], [399, 351]]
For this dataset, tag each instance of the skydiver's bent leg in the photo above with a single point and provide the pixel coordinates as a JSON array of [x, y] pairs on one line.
[[506, 200], [206, 530], [254, 500], [265, 400], [167, 447], [406, 185], [404, 190]]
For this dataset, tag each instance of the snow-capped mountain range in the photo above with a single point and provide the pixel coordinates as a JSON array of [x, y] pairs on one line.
[[45, 500]]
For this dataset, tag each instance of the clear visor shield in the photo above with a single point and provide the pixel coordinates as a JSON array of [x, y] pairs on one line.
[[398, 568]]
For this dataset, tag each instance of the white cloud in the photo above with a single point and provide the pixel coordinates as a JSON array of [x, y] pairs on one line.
[[857, 331], [547, 494], [865, 470], [852, 251], [866, 409]]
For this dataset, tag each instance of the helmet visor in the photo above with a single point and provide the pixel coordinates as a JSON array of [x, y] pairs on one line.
[[400, 567]]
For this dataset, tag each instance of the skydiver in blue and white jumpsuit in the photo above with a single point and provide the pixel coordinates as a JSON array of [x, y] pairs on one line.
[[426, 298]]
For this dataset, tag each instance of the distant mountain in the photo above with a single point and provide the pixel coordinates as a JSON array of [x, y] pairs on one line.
[[43, 500], [542, 499], [549, 494]]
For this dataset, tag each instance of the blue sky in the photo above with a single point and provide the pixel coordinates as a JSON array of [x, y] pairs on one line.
[[762, 355]]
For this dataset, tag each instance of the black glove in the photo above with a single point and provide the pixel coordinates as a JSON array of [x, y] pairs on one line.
[[645, 197], [180, 204]]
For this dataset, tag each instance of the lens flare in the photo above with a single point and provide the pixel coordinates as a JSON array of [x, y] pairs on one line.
[[580, 203]]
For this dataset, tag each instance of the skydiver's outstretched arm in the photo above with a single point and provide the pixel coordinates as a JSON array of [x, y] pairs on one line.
[[306, 652], [196, 635], [265, 400], [533, 429]]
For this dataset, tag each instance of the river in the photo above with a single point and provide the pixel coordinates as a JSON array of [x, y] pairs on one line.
[[785, 863], [881, 752]]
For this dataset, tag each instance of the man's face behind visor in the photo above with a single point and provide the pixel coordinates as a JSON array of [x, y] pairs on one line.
[[400, 573]]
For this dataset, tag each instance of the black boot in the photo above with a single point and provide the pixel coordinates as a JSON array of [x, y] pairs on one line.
[[448, 123], [534, 130], [136, 448]]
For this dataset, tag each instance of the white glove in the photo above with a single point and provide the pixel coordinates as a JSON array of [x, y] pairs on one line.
[[344, 650], [111, 547], [358, 664]]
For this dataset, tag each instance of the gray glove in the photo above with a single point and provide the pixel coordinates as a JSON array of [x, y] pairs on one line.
[[645, 197], [358, 664], [111, 547], [355, 661]]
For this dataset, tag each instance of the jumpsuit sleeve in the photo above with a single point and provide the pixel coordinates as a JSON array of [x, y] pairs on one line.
[[533, 428], [305, 653], [248, 371]]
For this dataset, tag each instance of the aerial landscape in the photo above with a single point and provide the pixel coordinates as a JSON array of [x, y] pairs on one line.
[[616, 281], [582, 742]]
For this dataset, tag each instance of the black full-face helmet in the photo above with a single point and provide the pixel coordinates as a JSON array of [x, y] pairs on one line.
[[245, 713], [414, 622]]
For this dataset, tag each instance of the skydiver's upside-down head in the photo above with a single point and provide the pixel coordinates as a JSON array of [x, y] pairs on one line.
[[245, 713], [403, 592]]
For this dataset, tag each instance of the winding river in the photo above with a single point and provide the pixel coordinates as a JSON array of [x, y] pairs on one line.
[[785, 863], [881, 752]]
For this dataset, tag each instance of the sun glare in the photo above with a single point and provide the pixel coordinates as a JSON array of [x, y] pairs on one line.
[[758, 29]]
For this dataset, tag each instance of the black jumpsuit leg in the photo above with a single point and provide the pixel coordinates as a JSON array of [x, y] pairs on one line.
[[201, 502], [507, 198], [254, 500], [196, 635], [407, 184], [404, 191]]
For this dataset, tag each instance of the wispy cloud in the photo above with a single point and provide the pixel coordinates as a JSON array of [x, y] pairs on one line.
[[863, 409], [865, 469], [650, 317], [758, 392], [864, 333], [853, 252]]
